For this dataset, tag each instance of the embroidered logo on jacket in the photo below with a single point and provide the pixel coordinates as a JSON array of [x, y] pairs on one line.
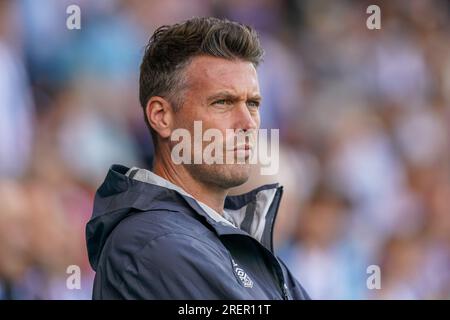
[[242, 275]]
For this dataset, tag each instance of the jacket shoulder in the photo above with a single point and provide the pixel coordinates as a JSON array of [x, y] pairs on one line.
[[172, 265], [139, 228]]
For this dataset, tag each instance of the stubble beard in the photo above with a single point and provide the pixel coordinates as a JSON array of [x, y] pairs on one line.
[[221, 176]]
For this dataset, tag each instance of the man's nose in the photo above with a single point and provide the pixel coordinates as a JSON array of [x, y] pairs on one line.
[[245, 120]]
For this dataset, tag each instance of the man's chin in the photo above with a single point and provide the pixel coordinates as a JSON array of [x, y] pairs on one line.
[[234, 176], [224, 176]]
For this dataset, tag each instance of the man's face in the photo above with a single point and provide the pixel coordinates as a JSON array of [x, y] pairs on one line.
[[223, 95]]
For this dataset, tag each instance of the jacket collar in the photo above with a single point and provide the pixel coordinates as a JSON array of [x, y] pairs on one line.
[[148, 176], [252, 213]]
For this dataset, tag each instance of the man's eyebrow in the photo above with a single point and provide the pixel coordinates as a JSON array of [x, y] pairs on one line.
[[255, 97], [231, 96], [223, 95]]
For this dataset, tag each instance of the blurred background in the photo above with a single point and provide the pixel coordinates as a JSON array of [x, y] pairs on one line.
[[363, 118]]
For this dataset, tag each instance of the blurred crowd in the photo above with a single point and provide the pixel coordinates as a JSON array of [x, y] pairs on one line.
[[364, 123]]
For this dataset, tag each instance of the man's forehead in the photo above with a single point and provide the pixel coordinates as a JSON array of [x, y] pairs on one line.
[[211, 73]]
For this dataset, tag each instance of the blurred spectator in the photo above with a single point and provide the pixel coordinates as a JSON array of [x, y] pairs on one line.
[[16, 105], [321, 255], [364, 125]]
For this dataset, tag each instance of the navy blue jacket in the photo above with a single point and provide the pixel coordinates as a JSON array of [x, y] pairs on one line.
[[148, 242]]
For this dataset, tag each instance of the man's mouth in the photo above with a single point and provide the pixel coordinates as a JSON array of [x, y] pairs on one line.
[[243, 147], [243, 151]]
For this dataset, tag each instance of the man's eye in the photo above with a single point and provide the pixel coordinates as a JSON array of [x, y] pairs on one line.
[[253, 104], [223, 101]]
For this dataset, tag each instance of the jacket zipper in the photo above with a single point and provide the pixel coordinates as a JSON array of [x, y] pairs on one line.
[[284, 289]]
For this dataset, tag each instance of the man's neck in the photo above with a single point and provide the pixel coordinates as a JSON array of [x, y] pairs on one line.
[[178, 175]]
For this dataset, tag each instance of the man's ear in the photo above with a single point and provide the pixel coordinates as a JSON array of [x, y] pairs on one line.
[[160, 116]]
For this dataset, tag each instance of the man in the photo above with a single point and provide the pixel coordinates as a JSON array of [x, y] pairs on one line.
[[173, 233]]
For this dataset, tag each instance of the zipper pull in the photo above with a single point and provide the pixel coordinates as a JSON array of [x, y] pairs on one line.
[[286, 294]]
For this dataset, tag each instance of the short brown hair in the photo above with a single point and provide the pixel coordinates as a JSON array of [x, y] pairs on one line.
[[171, 48]]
